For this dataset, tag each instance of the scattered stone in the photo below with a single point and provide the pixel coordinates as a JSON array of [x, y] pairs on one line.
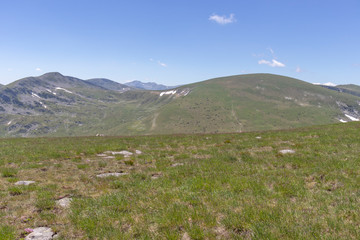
[[177, 164], [64, 202], [155, 175], [138, 152], [125, 153], [116, 174], [222, 233], [286, 151], [101, 155], [109, 157], [186, 236], [24, 183], [40, 233], [258, 137]]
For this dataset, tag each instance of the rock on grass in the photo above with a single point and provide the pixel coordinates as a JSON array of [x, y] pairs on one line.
[[24, 183], [286, 151], [41, 233], [116, 174]]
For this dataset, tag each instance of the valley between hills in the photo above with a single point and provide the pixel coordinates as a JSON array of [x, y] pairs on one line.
[[57, 105]]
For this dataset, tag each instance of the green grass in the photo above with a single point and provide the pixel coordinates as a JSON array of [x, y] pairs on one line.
[[8, 172], [7, 232], [225, 186]]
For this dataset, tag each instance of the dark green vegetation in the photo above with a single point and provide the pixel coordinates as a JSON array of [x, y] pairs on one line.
[[56, 105], [226, 186]]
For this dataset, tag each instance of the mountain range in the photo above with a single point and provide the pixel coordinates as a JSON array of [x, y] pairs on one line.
[[148, 85], [108, 84], [57, 105]]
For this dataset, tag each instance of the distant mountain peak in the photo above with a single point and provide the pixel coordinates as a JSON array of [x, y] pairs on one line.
[[52, 74], [148, 85], [108, 84]]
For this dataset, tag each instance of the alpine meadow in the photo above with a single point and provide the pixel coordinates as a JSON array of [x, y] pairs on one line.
[[179, 120]]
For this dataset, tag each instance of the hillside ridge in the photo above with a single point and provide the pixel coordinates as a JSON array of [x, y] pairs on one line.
[[57, 105]]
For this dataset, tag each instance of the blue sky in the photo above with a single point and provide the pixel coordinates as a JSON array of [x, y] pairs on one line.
[[177, 42]]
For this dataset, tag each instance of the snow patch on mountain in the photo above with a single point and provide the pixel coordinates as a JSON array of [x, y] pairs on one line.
[[65, 90], [42, 104], [351, 118], [35, 95], [168, 93], [329, 84], [51, 91]]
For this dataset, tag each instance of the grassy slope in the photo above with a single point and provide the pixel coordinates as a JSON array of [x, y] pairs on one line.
[[231, 186], [230, 104], [251, 102]]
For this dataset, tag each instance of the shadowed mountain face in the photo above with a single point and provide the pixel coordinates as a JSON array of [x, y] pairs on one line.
[[108, 84], [28, 95], [57, 105], [148, 85]]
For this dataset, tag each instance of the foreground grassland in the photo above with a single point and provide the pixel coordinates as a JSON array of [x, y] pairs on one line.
[[225, 186]]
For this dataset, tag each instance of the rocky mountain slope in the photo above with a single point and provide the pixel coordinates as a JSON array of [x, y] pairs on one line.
[[57, 105]]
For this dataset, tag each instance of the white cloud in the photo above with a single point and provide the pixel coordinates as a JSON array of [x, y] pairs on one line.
[[222, 19], [162, 64], [273, 63], [298, 69], [37, 69], [10, 69]]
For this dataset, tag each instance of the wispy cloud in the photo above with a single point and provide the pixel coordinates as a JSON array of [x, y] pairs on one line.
[[162, 64], [298, 69], [223, 19], [271, 50], [159, 62], [38, 69], [273, 63]]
